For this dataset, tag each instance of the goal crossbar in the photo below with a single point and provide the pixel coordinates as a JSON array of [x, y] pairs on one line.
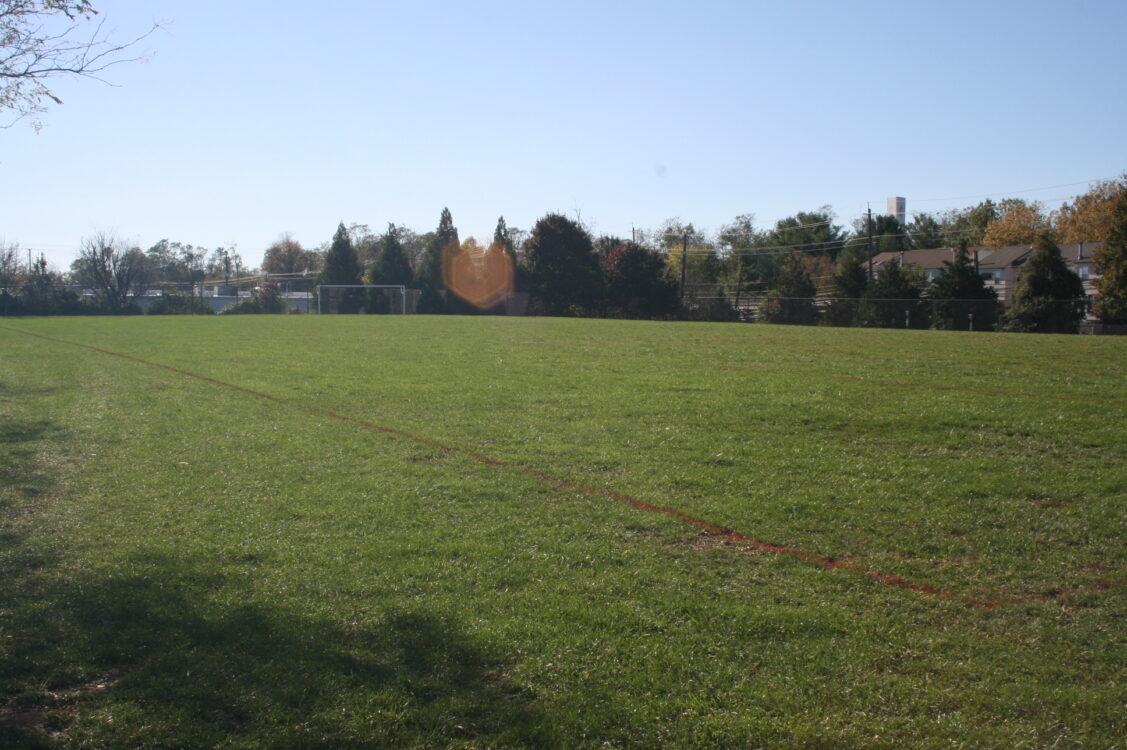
[[401, 287]]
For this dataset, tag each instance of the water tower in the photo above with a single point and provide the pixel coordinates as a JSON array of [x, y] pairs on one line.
[[898, 207]]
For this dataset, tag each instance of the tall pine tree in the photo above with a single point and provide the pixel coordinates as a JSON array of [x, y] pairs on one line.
[[892, 300], [341, 266], [960, 299], [1049, 297], [502, 238], [429, 277], [391, 267]]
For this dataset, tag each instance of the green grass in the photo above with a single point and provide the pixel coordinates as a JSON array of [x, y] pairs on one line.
[[184, 564]]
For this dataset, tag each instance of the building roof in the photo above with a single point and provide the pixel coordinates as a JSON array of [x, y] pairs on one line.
[[1003, 257], [925, 259], [1079, 252], [988, 258]]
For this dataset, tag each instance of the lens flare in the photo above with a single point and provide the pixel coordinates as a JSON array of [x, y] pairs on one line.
[[483, 277]]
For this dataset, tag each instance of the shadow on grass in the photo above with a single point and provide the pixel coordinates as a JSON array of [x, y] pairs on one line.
[[21, 476], [154, 653], [150, 660], [25, 482]]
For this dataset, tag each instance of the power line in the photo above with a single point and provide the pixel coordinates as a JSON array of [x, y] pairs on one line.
[[1010, 192]]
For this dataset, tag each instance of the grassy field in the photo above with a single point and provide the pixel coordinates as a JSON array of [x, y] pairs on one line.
[[438, 532]]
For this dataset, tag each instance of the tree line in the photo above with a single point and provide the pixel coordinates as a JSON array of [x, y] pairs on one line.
[[804, 270]]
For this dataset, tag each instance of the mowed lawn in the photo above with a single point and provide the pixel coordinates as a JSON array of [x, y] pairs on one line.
[[425, 532]]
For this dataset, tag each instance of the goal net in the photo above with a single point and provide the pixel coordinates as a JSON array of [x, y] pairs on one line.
[[387, 299]]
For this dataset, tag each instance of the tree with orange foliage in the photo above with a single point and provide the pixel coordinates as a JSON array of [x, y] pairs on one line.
[[1020, 223], [1089, 218]]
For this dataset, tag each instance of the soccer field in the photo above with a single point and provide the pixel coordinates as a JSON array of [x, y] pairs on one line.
[[493, 532]]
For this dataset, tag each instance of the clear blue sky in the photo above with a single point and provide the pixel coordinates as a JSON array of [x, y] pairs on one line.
[[251, 119]]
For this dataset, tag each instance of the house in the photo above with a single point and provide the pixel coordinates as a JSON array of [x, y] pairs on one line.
[[930, 260], [1078, 256], [999, 267]]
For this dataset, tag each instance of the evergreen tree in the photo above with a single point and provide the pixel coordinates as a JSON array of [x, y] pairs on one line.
[[341, 266], [391, 267], [892, 300], [849, 283], [429, 276], [562, 267], [1049, 297], [1111, 262], [792, 300], [502, 238], [960, 298]]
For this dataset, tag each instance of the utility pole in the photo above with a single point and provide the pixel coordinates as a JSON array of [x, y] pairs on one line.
[[739, 282], [684, 260], [870, 223]]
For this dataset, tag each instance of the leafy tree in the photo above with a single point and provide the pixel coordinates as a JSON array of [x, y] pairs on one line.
[[967, 225], [1090, 217], [414, 246], [925, 232], [114, 271], [222, 263], [638, 283], [850, 280], [960, 298], [287, 256], [810, 232], [11, 271], [892, 299], [1111, 262], [33, 51], [889, 236], [11, 278], [341, 266], [750, 267], [702, 267], [563, 270], [165, 264], [365, 242], [1018, 223], [45, 293], [429, 275], [1049, 298], [792, 300]]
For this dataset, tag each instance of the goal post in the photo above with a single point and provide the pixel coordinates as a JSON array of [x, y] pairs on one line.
[[360, 302]]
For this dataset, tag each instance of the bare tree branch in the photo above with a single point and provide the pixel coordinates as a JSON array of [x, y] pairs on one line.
[[115, 271], [31, 55]]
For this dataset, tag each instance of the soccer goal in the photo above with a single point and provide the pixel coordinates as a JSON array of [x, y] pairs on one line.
[[394, 299]]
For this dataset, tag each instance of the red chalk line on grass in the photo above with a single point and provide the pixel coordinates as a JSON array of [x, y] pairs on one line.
[[720, 532]]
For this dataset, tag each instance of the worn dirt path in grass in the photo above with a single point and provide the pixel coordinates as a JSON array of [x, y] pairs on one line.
[[721, 533]]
